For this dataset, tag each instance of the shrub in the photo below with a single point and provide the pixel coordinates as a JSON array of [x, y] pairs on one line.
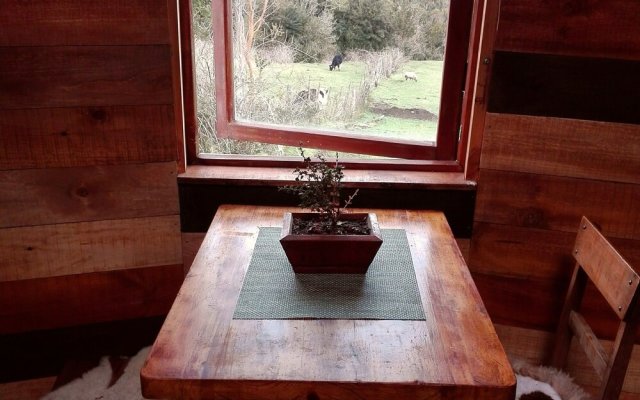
[[319, 189]]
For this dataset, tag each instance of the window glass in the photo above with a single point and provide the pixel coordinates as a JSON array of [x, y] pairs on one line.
[[352, 68]]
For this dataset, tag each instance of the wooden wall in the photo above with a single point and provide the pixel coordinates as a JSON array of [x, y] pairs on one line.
[[561, 140], [89, 228]]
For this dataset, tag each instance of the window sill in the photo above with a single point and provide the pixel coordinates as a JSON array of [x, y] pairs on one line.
[[373, 179]]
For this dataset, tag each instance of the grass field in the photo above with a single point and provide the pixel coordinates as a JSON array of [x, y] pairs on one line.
[[408, 97]]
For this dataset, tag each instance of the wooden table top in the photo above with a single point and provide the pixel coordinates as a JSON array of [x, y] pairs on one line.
[[202, 353]]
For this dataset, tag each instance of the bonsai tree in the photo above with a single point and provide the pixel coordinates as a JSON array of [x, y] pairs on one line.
[[318, 188]]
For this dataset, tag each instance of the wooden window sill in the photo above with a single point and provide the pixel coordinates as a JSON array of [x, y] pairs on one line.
[[373, 179]]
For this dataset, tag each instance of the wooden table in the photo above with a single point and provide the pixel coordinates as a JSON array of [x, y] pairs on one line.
[[202, 353]]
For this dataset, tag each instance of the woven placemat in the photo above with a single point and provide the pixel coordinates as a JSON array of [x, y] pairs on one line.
[[389, 290]]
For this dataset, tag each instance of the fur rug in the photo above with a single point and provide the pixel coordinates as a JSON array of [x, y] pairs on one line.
[[94, 384], [534, 383], [544, 383]]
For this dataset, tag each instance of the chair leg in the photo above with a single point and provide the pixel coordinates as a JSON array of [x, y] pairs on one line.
[[614, 377]]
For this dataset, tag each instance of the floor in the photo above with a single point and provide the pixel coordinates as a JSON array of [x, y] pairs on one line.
[[43, 360]]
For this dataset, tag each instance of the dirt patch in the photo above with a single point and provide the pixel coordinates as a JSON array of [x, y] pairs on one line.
[[406, 113]]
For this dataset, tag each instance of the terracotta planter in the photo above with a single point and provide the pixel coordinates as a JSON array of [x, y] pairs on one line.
[[331, 254]]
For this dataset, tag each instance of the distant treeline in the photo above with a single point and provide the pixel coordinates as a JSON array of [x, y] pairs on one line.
[[314, 30]]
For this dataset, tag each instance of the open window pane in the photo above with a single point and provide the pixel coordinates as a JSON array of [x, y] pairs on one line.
[[362, 77], [349, 66]]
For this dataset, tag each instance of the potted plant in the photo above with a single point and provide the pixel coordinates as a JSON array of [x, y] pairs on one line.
[[326, 239]]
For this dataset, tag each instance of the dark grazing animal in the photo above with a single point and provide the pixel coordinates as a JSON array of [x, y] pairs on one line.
[[335, 63]]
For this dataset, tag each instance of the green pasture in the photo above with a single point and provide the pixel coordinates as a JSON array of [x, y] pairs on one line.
[[403, 93], [393, 91]]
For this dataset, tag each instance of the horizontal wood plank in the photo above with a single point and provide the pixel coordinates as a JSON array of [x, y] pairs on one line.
[[199, 202], [523, 302], [562, 147], [56, 302], [70, 76], [62, 195], [531, 253], [78, 22], [534, 346], [84, 247], [536, 303], [523, 252], [32, 389], [557, 203], [586, 28], [565, 87], [191, 242], [362, 178], [72, 137]]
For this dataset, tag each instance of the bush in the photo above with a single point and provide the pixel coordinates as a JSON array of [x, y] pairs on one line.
[[277, 53]]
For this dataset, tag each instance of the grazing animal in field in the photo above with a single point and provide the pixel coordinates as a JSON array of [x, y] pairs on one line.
[[319, 96], [410, 76], [335, 63]]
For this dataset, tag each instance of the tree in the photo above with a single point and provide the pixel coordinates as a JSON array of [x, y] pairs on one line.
[[363, 24], [250, 17], [305, 27]]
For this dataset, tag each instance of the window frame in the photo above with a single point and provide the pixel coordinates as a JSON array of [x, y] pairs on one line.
[[448, 155]]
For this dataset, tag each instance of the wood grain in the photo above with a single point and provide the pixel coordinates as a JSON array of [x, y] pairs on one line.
[[32, 389], [62, 195], [77, 22], [361, 178], [537, 253], [562, 147], [199, 202], [524, 252], [85, 247], [72, 137], [558, 203], [71, 76], [607, 269], [78, 299], [589, 343], [201, 352], [178, 90], [480, 90], [536, 303], [522, 302], [585, 28], [529, 252], [454, 78], [190, 245]]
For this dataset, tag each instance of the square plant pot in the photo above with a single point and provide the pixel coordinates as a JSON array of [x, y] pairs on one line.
[[327, 253]]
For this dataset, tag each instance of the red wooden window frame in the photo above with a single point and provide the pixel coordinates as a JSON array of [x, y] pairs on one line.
[[444, 155]]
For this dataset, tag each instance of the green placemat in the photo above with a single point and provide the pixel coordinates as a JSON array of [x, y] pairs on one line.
[[389, 290]]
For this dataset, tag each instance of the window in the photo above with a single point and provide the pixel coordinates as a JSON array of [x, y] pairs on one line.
[[297, 72]]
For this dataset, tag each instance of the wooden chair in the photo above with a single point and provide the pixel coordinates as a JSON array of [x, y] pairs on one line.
[[598, 261]]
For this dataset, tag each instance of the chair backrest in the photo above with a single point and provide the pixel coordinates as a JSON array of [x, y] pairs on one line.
[[598, 261]]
